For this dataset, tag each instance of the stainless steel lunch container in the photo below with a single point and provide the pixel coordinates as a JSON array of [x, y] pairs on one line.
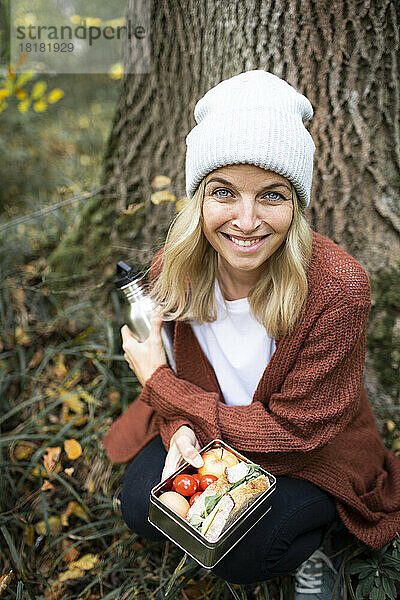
[[192, 541]]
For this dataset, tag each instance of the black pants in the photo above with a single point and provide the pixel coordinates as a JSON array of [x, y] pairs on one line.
[[283, 539]]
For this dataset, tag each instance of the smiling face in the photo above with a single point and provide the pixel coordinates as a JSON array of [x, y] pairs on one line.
[[247, 212]]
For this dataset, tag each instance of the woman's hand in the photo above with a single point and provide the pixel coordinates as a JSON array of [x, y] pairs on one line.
[[183, 446], [144, 357]]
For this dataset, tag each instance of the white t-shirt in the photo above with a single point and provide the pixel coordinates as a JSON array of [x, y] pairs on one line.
[[237, 346]]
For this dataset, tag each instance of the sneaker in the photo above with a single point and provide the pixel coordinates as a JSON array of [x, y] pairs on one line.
[[315, 578]]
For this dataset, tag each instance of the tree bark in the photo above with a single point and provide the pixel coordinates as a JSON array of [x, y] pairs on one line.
[[344, 56]]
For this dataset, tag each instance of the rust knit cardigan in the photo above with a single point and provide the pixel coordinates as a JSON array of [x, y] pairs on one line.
[[309, 417]]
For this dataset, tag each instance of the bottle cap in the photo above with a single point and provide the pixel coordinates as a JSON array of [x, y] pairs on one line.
[[125, 275]]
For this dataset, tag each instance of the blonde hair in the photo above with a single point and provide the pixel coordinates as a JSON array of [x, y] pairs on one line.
[[185, 285]]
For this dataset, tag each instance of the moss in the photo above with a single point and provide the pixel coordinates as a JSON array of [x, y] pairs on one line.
[[383, 337]]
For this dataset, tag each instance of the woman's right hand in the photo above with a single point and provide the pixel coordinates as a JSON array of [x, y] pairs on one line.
[[183, 446]]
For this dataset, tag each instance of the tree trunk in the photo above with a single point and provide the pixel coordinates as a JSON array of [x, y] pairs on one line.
[[344, 56]]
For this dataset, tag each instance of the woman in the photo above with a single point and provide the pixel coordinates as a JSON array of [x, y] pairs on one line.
[[270, 333]]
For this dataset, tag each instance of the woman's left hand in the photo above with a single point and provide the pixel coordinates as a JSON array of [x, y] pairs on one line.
[[144, 357]]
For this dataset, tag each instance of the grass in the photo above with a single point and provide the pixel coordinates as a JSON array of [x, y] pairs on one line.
[[63, 378]]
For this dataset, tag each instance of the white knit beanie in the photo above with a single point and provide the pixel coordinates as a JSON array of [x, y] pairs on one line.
[[254, 118]]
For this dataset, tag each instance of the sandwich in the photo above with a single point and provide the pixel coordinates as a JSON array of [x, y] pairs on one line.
[[226, 499]]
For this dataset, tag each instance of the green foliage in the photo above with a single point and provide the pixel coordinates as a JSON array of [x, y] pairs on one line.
[[58, 152], [383, 339], [376, 573]]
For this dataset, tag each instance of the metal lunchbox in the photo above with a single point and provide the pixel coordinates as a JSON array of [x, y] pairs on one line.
[[189, 539]]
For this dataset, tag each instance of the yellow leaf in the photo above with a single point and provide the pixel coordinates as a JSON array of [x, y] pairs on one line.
[[30, 534], [396, 445], [21, 336], [73, 449], [73, 508], [160, 181], [54, 96], [38, 90], [23, 106], [23, 78], [116, 71], [39, 106], [47, 486], [71, 573], [162, 196], [87, 562], [88, 398], [75, 19], [4, 94], [92, 22], [60, 370], [54, 525], [21, 94], [69, 471], [181, 203], [51, 457], [23, 450], [72, 401], [390, 426]]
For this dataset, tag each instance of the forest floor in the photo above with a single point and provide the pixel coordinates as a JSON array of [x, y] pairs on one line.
[[63, 380]]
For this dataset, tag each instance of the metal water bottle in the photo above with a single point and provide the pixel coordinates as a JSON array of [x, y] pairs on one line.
[[141, 307]]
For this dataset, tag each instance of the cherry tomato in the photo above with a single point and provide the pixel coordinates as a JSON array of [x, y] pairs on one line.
[[207, 480], [186, 485], [193, 498], [197, 477]]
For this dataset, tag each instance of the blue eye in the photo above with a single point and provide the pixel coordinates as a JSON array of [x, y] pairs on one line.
[[278, 196], [221, 190]]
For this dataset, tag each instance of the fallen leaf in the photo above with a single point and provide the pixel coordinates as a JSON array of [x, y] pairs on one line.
[[132, 209], [47, 486], [51, 457], [77, 568], [396, 445], [73, 508], [60, 370], [69, 471], [71, 553], [44, 472], [114, 397], [36, 359], [72, 401], [162, 196], [23, 450], [73, 449], [160, 181], [30, 534], [87, 562], [71, 573], [54, 525], [22, 337]]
